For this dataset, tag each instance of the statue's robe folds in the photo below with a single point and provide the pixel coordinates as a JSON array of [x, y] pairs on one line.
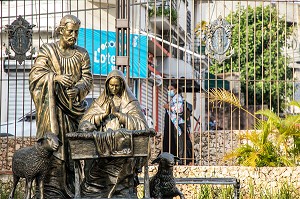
[[54, 111], [114, 143], [114, 176]]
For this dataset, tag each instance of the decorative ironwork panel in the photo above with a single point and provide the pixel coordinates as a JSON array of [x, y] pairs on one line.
[[20, 38], [218, 40]]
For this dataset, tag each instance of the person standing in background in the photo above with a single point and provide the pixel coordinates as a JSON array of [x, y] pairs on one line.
[[176, 139]]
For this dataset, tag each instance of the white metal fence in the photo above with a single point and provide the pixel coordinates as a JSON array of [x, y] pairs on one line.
[[167, 46]]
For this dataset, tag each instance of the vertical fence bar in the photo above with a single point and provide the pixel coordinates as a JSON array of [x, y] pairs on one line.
[[254, 62], [2, 51], [246, 71], [8, 80], [123, 32], [277, 57], [232, 108]]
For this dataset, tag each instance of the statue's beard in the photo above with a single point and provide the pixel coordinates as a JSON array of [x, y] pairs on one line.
[[71, 41]]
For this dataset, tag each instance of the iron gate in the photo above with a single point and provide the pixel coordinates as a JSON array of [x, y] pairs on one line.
[[167, 45]]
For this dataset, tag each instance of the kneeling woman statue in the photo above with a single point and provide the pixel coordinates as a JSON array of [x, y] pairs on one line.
[[115, 108]]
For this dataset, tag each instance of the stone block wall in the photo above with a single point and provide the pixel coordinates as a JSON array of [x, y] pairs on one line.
[[264, 178], [213, 146], [8, 146], [209, 147]]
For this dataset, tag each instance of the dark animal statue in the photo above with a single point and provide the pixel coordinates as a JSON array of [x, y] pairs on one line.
[[162, 184], [32, 163]]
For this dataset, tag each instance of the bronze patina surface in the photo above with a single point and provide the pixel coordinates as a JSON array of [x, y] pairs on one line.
[[33, 163], [117, 113], [59, 81], [112, 136]]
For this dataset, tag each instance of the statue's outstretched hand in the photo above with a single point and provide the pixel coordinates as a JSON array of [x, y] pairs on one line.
[[65, 80]]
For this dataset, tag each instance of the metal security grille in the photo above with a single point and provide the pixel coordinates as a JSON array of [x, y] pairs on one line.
[[166, 46]]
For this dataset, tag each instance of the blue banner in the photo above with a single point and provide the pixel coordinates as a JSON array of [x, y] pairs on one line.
[[101, 46]]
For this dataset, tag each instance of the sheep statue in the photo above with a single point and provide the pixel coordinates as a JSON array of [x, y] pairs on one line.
[[32, 163], [162, 184]]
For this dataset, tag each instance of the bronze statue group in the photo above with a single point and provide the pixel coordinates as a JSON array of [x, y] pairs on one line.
[[60, 79]]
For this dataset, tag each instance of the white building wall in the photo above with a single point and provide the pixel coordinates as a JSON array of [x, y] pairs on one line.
[[92, 16], [3, 93], [138, 17], [210, 10], [182, 13]]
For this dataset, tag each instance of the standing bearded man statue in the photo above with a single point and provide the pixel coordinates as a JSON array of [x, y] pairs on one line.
[[59, 81]]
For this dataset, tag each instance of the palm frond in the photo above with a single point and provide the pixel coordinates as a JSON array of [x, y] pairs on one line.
[[253, 137], [270, 115], [292, 124], [231, 155], [283, 142], [271, 125], [259, 124], [294, 103], [270, 143], [266, 130], [220, 95], [287, 162], [251, 160], [242, 154], [293, 119]]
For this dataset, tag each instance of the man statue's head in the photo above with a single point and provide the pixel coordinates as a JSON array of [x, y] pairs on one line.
[[68, 29]]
